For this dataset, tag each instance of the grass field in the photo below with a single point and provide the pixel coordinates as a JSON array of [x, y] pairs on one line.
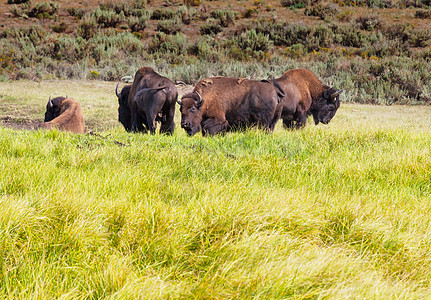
[[340, 211]]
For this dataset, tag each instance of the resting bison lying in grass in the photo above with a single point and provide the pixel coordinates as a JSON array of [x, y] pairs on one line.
[[151, 98], [306, 95], [65, 114], [221, 104]]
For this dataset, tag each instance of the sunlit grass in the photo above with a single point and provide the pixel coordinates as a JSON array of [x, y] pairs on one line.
[[337, 211]]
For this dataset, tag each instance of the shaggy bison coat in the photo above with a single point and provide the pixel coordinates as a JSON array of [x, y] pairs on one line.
[[64, 114], [222, 104], [306, 95], [152, 98]]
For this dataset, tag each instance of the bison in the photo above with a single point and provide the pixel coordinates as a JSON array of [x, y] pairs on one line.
[[124, 116], [221, 104], [151, 98], [65, 114], [305, 96]]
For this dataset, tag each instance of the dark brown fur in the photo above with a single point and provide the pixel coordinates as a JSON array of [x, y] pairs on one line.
[[64, 114], [306, 95], [230, 104], [152, 98]]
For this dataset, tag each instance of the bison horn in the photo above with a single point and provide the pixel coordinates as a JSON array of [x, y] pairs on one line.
[[50, 102], [179, 102], [334, 95], [116, 90], [200, 101]]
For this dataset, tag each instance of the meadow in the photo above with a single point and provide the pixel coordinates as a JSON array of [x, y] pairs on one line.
[[340, 211]]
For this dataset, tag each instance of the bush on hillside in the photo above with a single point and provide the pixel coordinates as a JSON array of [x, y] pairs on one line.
[[211, 26], [226, 17], [368, 22], [170, 26], [137, 23], [108, 18]]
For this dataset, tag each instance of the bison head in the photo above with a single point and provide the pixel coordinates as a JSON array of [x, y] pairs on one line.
[[324, 108], [53, 108], [191, 113], [124, 116]]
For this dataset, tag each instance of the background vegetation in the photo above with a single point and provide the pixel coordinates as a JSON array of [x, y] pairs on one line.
[[378, 51]]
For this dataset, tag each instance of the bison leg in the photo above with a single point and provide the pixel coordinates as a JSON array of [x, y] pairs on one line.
[[288, 123], [276, 117], [139, 124], [214, 126], [151, 115], [168, 124], [134, 119], [151, 122], [301, 119]]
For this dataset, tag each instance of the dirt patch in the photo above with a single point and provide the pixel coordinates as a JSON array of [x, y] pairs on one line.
[[10, 122]]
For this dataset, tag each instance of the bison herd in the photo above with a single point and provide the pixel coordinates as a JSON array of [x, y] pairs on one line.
[[216, 104]]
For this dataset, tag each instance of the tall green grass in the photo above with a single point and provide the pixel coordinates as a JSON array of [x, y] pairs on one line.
[[337, 211]]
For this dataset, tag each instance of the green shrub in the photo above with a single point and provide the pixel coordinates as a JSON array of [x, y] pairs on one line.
[[192, 2], [69, 49], [226, 17], [163, 14], [211, 26], [76, 12], [249, 45], [380, 46], [320, 36], [348, 36], [397, 32], [419, 38], [283, 34], [170, 26], [187, 14], [163, 43], [87, 28], [137, 8], [416, 3], [369, 22], [295, 3], [108, 18], [60, 27], [255, 41], [137, 24], [423, 14], [34, 33], [44, 10], [207, 49], [18, 1], [321, 11], [345, 16]]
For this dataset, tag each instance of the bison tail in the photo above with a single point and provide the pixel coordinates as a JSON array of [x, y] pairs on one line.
[[280, 91], [145, 90]]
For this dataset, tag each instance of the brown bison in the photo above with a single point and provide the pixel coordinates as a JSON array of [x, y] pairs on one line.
[[151, 98], [305, 96], [65, 114], [222, 104]]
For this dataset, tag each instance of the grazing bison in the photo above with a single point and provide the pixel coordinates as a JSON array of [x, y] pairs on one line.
[[306, 95], [221, 104], [152, 98], [65, 114], [124, 116]]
